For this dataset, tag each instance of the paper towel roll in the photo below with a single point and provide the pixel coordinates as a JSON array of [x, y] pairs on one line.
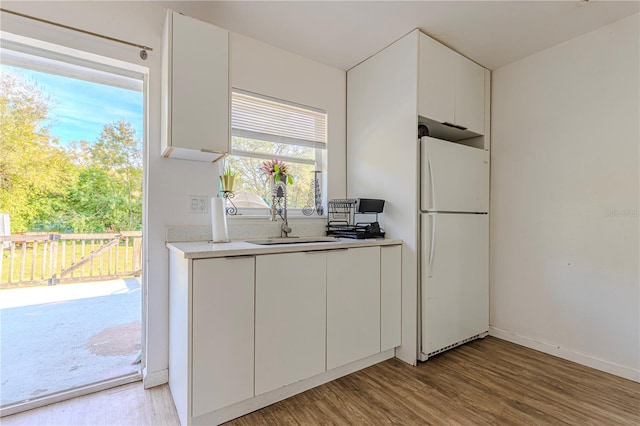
[[219, 220]]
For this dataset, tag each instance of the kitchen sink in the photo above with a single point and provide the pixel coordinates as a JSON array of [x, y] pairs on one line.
[[293, 240]]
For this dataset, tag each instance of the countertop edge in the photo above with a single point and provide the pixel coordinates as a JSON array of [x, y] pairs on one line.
[[204, 250]]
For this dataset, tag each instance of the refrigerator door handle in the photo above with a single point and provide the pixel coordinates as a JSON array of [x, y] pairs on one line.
[[433, 187], [433, 244]]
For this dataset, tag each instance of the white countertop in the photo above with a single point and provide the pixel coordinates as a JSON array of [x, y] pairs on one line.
[[204, 249]]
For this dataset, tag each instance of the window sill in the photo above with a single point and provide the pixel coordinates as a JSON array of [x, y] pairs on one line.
[[263, 217]]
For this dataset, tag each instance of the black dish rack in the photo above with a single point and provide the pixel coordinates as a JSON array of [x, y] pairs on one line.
[[341, 218]]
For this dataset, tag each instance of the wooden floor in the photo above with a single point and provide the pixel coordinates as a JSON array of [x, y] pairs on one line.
[[489, 381], [126, 405]]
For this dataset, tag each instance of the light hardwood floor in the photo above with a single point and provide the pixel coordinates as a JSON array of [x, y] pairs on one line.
[[121, 406], [486, 382]]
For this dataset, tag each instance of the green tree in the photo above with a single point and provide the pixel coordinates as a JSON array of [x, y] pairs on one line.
[[32, 164], [95, 203], [118, 151], [117, 148], [250, 179], [108, 194], [86, 188]]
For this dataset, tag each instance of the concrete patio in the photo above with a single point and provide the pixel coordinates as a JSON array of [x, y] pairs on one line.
[[55, 338]]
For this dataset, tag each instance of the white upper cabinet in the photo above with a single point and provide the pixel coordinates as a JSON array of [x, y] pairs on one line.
[[436, 81], [469, 95], [451, 88], [195, 89]]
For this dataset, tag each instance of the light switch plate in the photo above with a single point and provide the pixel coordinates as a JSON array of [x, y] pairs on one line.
[[198, 204]]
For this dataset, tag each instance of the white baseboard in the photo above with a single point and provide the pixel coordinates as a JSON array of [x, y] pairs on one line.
[[568, 354], [155, 378]]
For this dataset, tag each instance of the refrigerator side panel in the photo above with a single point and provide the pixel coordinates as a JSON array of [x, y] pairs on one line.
[[454, 177], [455, 278]]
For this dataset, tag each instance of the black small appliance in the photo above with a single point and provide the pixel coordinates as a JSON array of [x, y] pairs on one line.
[[341, 218]]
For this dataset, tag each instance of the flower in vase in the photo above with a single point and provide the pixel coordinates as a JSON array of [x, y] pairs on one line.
[[277, 169]]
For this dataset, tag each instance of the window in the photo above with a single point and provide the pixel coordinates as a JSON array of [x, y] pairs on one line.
[[264, 128]]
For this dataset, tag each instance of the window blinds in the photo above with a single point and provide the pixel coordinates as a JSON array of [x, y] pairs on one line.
[[260, 117]]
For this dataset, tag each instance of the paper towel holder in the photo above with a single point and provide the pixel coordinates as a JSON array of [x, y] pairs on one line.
[[219, 230]]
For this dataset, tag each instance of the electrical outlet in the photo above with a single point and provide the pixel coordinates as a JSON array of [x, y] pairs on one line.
[[198, 204]]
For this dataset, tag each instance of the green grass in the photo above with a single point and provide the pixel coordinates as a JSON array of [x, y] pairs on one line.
[[90, 270]]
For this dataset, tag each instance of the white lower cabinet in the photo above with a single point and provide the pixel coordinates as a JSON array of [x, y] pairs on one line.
[[390, 297], [290, 318], [353, 305], [247, 331], [223, 330]]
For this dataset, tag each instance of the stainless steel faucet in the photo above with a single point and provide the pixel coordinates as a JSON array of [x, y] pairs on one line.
[[285, 229], [279, 206]]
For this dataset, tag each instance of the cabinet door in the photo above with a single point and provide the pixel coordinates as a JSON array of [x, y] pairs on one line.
[[198, 92], [469, 90], [290, 318], [223, 325], [353, 305], [390, 297], [436, 81]]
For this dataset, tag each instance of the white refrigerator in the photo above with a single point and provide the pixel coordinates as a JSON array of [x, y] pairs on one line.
[[454, 245]]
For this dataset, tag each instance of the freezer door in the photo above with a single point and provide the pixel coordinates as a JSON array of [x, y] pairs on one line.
[[455, 278], [454, 177]]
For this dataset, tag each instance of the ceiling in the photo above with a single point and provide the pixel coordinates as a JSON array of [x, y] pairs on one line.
[[344, 33]]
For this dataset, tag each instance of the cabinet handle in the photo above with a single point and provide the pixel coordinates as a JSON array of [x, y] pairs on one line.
[[242, 256], [325, 251], [455, 126]]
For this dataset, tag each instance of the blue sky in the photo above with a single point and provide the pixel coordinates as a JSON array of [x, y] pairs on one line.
[[80, 108]]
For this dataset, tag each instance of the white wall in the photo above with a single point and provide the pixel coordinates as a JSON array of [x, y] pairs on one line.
[[169, 182], [565, 199], [267, 70]]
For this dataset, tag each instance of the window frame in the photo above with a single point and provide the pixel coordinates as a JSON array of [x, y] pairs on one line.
[[102, 68], [320, 148]]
